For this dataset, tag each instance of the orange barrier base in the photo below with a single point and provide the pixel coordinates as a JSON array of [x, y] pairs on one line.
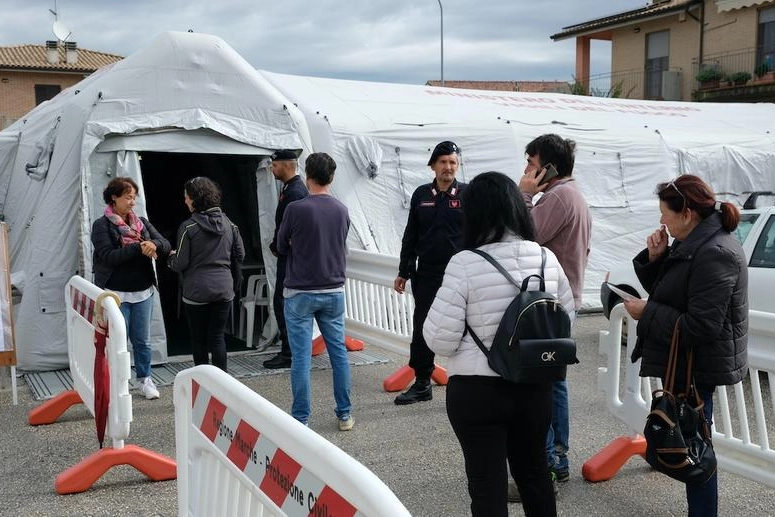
[[82, 476], [605, 464], [49, 411], [401, 378], [319, 345]]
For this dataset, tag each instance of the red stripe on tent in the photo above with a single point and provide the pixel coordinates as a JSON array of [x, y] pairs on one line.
[[331, 503], [280, 476], [241, 450], [213, 418], [194, 392]]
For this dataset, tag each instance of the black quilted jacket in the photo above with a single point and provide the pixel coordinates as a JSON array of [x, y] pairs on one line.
[[704, 281]]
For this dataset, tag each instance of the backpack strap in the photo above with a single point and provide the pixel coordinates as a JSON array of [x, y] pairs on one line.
[[508, 276], [541, 281], [497, 266], [477, 340]]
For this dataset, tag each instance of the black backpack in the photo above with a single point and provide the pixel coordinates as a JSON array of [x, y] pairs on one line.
[[532, 343]]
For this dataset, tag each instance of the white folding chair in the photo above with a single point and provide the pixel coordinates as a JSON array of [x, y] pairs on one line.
[[257, 296]]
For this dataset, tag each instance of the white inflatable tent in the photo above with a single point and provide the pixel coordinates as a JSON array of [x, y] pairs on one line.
[[188, 105], [381, 136]]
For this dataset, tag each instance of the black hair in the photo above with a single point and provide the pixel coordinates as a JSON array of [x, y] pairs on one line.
[[118, 187], [320, 168], [492, 204], [203, 192], [556, 150]]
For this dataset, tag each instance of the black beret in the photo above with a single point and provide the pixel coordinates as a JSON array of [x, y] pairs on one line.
[[442, 149], [284, 154]]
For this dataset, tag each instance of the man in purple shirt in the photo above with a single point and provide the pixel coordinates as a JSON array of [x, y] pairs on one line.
[[313, 234]]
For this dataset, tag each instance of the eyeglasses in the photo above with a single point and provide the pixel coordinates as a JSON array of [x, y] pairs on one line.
[[675, 187]]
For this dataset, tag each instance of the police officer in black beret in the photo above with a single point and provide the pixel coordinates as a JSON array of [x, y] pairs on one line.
[[283, 169], [433, 234]]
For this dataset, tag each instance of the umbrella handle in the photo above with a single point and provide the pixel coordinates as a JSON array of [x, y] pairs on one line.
[[98, 309]]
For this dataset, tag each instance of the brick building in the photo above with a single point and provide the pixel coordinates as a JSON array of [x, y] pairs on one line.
[[508, 86], [31, 74]]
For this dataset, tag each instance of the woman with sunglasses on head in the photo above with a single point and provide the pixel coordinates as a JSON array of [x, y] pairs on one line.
[[208, 256], [700, 278]]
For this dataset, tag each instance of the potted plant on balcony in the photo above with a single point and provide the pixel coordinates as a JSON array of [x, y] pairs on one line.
[[764, 73], [709, 77], [738, 78]]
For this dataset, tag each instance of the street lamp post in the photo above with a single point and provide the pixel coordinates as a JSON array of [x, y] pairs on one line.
[[441, 12]]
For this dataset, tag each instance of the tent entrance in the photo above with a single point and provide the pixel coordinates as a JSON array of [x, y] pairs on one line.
[[163, 176]]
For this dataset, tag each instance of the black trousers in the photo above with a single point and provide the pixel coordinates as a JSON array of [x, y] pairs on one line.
[[278, 303], [207, 325], [496, 420], [424, 287]]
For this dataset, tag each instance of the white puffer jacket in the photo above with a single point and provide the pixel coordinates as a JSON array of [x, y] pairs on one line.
[[474, 291]]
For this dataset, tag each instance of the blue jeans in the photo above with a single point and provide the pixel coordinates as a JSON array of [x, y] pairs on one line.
[[138, 329], [703, 499], [328, 310], [559, 431]]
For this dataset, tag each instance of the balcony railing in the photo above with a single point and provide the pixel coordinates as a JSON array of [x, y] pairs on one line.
[[753, 61], [633, 84]]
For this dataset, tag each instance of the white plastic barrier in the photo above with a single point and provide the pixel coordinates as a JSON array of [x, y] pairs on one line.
[[742, 439], [239, 455], [83, 330], [375, 313], [81, 297]]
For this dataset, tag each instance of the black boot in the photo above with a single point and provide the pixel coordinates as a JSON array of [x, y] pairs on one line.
[[278, 361], [419, 392]]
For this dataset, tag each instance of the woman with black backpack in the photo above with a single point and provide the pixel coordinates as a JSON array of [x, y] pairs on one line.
[[494, 419]]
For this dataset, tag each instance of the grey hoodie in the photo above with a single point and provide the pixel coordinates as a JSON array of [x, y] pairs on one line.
[[209, 252]]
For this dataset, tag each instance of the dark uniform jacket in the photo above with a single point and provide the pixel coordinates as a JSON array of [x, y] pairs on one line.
[[293, 190], [704, 281], [433, 231], [209, 253], [124, 268]]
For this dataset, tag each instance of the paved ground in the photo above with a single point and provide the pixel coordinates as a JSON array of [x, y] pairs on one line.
[[411, 448]]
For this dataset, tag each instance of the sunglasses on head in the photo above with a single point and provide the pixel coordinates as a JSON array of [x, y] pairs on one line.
[[672, 185]]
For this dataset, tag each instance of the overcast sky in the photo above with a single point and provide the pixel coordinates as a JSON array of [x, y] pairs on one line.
[[377, 40]]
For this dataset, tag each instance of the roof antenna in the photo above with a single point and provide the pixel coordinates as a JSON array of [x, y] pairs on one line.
[[60, 29]]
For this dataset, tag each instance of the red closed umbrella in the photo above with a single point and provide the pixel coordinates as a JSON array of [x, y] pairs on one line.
[[101, 381], [101, 369]]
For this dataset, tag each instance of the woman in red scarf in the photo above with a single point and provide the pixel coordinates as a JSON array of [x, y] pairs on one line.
[[125, 247]]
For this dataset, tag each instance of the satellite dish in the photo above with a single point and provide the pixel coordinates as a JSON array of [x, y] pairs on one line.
[[61, 31]]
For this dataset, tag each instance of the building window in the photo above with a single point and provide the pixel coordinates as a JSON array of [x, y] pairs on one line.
[[44, 92], [657, 61], [765, 51]]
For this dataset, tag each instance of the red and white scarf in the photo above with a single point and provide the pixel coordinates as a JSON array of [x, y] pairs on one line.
[[130, 233]]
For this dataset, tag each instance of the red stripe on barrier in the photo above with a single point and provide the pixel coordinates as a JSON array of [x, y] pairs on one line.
[[280, 476], [213, 415], [241, 449], [194, 392], [90, 311], [331, 503]]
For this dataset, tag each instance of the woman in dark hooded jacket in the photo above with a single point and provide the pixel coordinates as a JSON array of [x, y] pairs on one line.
[[700, 279], [207, 258]]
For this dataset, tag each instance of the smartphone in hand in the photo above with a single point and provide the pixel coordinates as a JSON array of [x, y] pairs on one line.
[[551, 172], [624, 295]]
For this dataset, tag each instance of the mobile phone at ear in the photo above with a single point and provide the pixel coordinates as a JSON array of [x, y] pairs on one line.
[[551, 172]]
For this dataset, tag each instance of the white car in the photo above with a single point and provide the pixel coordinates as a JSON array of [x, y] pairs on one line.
[[757, 233]]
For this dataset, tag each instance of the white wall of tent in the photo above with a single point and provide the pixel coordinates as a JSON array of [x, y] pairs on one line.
[[188, 105]]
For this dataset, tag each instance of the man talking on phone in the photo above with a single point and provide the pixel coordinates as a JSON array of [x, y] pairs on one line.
[[563, 224]]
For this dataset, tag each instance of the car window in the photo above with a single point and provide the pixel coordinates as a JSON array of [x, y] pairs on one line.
[[744, 228], [764, 251]]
